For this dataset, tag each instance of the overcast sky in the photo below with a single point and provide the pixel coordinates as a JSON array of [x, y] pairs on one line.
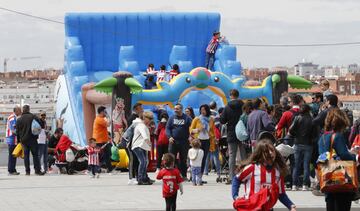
[[252, 22]]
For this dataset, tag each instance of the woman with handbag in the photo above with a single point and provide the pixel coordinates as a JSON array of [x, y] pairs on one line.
[[333, 140], [263, 177]]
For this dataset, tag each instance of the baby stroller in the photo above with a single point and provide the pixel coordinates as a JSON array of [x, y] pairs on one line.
[[224, 154], [70, 159]]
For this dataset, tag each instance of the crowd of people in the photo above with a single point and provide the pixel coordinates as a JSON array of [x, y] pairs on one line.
[[192, 144]]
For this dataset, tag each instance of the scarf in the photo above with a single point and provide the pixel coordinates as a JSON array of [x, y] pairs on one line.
[[205, 122]]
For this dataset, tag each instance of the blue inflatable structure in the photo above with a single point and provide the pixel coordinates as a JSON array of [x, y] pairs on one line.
[[97, 45]]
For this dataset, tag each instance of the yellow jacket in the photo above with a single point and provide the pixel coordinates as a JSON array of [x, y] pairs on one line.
[[196, 124]]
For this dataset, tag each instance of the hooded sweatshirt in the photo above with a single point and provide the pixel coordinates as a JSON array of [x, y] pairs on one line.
[[141, 136], [195, 156], [231, 116]]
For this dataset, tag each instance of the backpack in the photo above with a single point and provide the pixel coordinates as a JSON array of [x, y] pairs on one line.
[[240, 131], [35, 127], [127, 137]]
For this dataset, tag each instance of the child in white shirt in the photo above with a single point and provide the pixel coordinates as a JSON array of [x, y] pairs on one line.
[[196, 155]]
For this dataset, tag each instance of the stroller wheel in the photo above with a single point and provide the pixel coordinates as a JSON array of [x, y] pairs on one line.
[[218, 180]]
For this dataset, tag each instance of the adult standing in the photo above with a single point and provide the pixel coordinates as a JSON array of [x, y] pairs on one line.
[[202, 128], [42, 142], [331, 102], [11, 139], [303, 132], [211, 50], [28, 139], [258, 121], [101, 134], [137, 112], [231, 116], [335, 123], [141, 145], [177, 130]]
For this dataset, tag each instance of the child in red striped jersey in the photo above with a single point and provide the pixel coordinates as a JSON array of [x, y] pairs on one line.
[[174, 72], [265, 168], [94, 158], [172, 181]]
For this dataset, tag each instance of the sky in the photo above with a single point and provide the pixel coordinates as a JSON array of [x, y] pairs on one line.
[[247, 22]]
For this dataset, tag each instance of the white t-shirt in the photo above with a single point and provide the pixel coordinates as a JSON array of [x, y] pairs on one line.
[[196, 156], [42, 137]]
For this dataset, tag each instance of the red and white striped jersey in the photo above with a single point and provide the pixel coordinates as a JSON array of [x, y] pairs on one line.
[[94, 155], [161, 75], [255, 176], [173, 73]]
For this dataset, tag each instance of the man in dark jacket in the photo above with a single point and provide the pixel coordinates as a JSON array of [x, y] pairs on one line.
[[28, 140], [177, 130], [231, 116]]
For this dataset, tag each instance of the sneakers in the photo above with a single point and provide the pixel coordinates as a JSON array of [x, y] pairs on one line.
[[132, 181], [304, 188], [40, 173], [317, 192], [14, 173], [294, 188], [27, 174], [144, 183], [97, 175], [228, 182], [91, 176]]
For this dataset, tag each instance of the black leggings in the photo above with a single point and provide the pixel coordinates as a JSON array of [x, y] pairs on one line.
[[161, 150], [171, 202], [338, 201]]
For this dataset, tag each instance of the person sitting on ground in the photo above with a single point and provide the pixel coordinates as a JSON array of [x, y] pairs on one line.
[[53, 141], [268, 162]]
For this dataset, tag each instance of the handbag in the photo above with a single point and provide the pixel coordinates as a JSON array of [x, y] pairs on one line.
[[337, 175], [263, 200], [18, 151]]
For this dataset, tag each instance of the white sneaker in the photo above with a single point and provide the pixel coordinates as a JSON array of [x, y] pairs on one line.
[[305, 188], [132, 181], [294, 188], [97, 175]]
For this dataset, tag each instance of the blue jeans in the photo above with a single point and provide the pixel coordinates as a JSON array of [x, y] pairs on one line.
[[209, 61], [142, 156], [302, 156], [43, 155], [213, 157], [196, 175], [12, 159]]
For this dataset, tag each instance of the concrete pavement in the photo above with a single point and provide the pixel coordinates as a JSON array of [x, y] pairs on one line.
[[111, 192]]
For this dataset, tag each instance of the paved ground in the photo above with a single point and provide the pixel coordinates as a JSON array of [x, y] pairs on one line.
[[111, 192]]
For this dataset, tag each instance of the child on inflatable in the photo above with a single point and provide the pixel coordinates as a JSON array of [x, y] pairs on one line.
[[161, 75], [174, 72]]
